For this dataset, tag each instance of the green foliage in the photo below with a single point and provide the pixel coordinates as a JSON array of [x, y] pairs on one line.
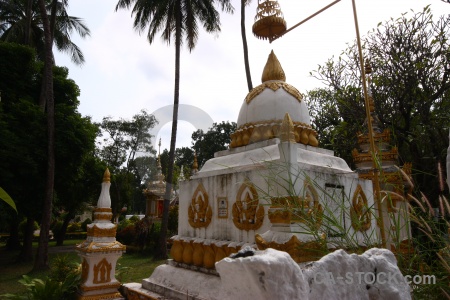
[[410, 87], [13, 17], [73, 227], [23, 224], [7, 198], [85, 224], [217, 138], [127, 236], [61, 284], [173, 219], [134, 219]]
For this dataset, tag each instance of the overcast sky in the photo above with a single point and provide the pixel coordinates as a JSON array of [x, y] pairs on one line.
[[124, 74]]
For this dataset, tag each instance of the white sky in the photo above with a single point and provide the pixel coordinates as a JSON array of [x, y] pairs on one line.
[[123, 73]]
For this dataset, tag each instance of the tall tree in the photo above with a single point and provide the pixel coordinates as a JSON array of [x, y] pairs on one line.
[[41, 261], [127, 144], [178, 20], [244, 3], [410, 87], [21, 22], [217, 138]]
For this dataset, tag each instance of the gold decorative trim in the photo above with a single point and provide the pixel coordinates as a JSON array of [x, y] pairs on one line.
[[91, 247], [359, 211], [103, 216], [199, 212], [102, 232], [385, 137], [367, 157], [299, 251], [246, 211], [260, 131], [274, 86], [269, 20], [86, 288], [101, 297], [287, 129], [84, 270], [307, 208]]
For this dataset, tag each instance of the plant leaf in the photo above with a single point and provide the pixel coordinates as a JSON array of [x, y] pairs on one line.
[[5, 197]]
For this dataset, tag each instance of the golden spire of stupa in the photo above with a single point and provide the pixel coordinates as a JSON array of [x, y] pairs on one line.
[[273, 69], [107, 176]]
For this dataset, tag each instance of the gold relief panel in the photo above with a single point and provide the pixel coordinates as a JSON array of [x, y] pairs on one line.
[[307, 208], [199, 212], [359, 211], [102, 232], [102, 272], [84, 270], [246, 211]]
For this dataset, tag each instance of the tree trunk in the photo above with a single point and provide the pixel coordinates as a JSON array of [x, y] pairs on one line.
[[244, 44], [62, 233], [26, 254], [165, 219], [13, 242], [28, 13], [41, 261]]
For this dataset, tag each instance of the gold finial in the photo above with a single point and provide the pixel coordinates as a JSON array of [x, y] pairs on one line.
[[287, 129], [272, 69], [269, 20], [195, 164], [107, 176]]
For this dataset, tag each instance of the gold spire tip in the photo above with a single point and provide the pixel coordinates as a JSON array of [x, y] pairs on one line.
[[272, 69], [107, 176]]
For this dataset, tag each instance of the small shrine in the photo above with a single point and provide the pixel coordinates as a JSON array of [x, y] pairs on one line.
[[154, 193], [100, 251], [393, 185], [273, 188]]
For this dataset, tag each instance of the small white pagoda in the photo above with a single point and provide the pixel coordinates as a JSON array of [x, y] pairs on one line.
[[100, 251]]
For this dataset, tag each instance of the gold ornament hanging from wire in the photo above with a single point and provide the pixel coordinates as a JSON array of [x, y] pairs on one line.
[[269, 20]]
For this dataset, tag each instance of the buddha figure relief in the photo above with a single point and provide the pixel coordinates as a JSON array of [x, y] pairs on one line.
[[199, 212], [246, 211], [359, 211]]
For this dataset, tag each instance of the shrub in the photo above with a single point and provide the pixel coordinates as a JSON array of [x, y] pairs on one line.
[[73, 227], [134, 219], [123, 224], [173, 220], [85, 224], [127, 235], [24, 223]]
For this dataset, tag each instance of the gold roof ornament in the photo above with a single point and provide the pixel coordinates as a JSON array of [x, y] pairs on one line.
[[107, 176], [287, 129], [272, 69], [269, 20]]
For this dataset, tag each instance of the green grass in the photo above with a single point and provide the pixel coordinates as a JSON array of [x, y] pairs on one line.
[[131, 267]]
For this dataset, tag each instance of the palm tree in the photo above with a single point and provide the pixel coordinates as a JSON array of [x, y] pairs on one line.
[[178, 20], [244, 44], [21, 22], [41, 261]]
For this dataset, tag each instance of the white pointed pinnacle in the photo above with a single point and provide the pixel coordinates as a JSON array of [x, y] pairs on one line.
[[104, 201]]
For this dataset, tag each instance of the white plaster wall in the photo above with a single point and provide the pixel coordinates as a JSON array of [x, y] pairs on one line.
[[228, 183]]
